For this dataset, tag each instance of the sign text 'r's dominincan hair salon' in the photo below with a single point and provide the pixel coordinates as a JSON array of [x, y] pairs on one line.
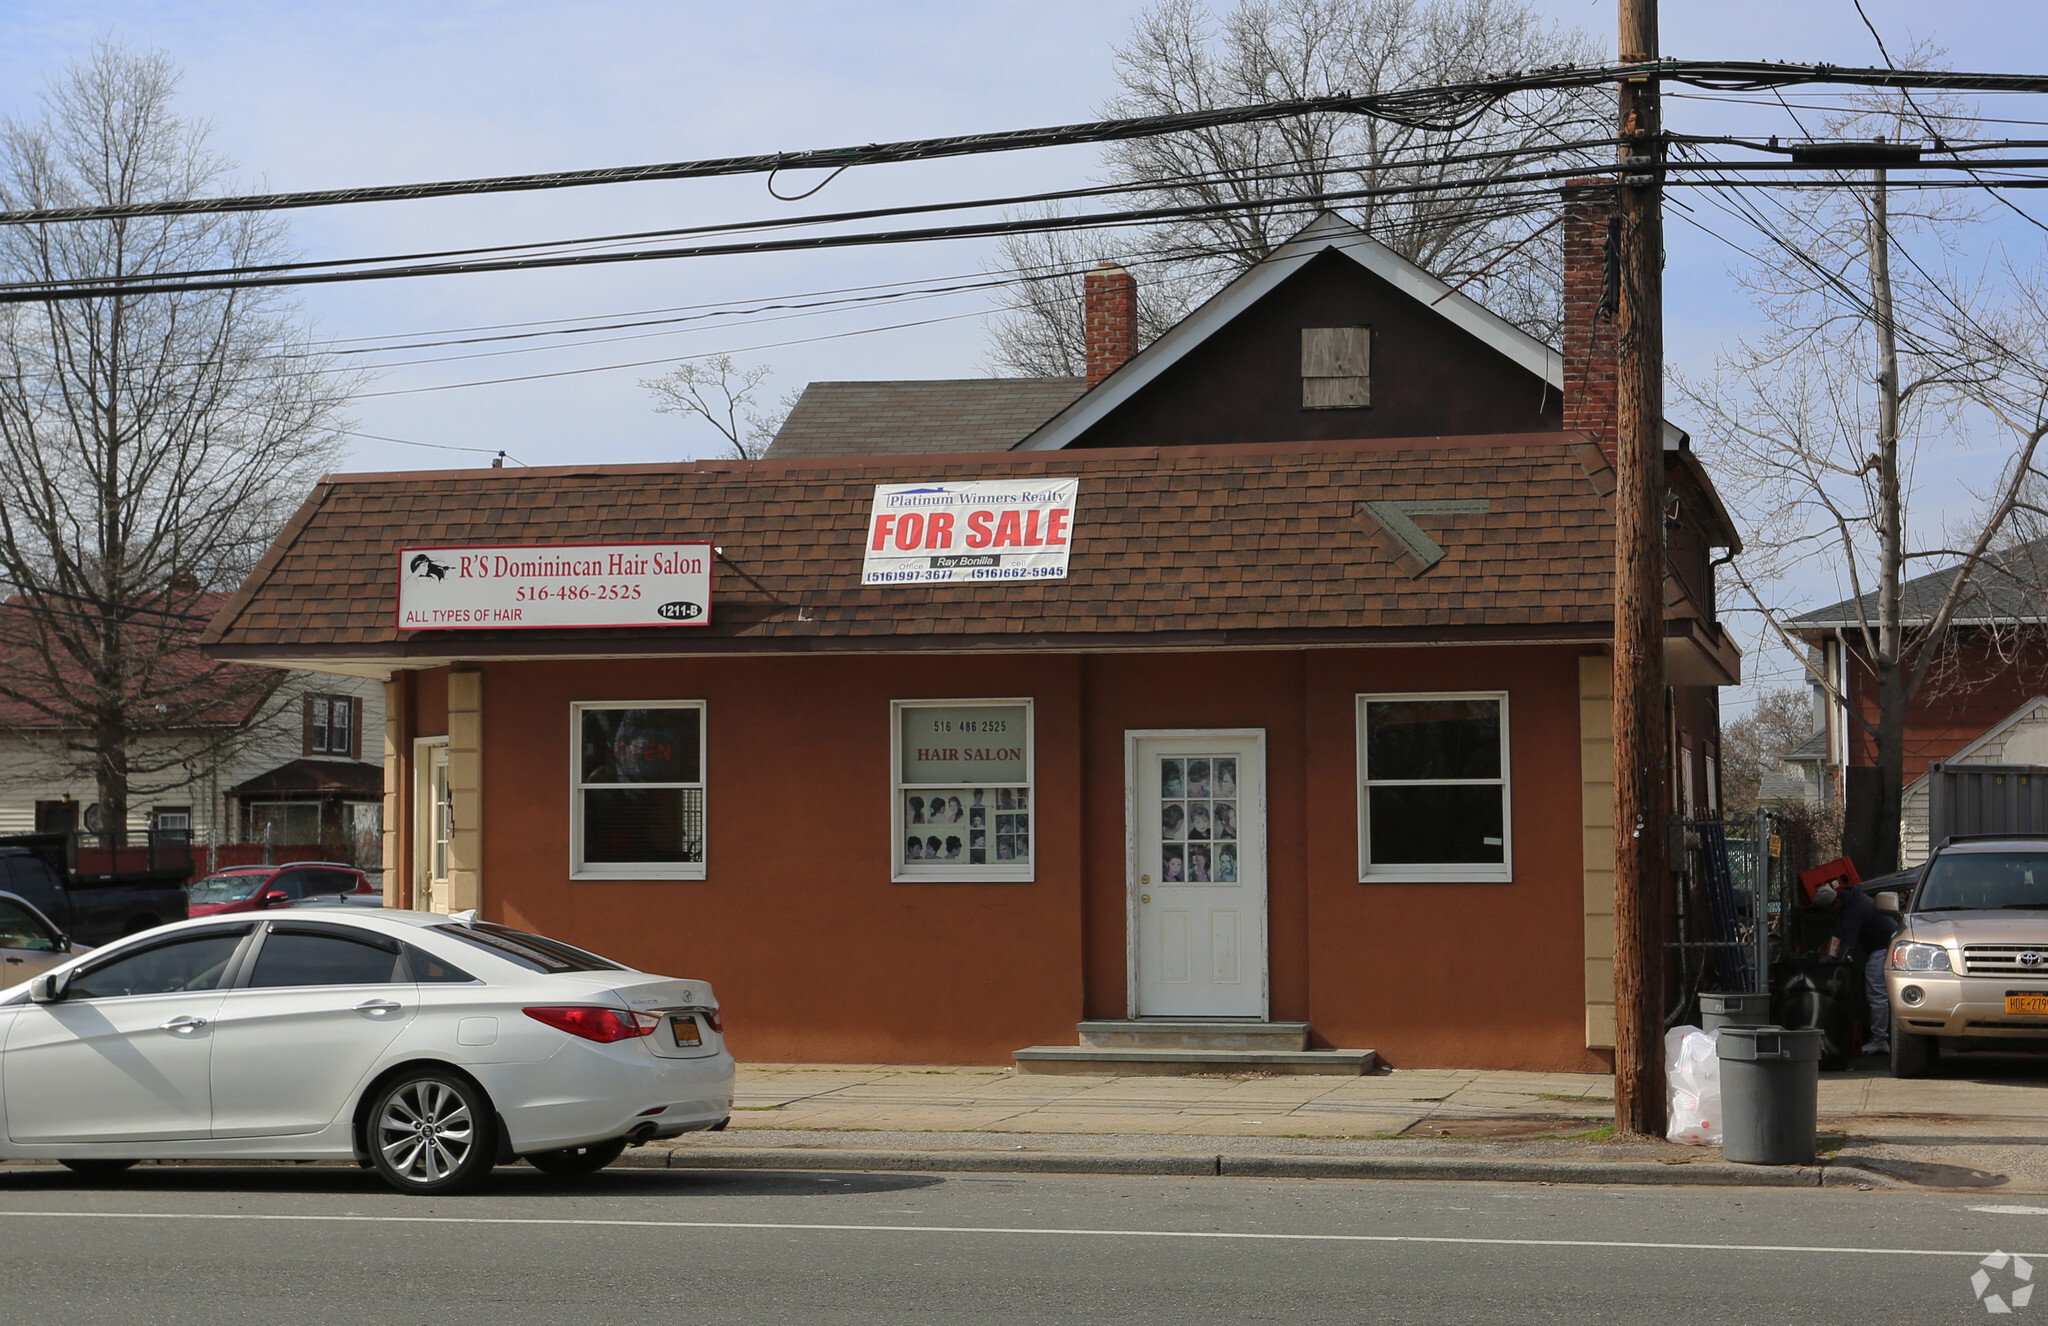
[[490, 587], [982, 529]]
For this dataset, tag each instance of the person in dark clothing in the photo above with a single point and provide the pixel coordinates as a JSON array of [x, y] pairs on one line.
[[1863, 928]]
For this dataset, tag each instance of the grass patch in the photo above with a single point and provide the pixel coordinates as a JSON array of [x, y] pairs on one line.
[[1829, 1143]]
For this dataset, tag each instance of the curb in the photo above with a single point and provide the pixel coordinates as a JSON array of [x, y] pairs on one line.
[[1418, 1168]]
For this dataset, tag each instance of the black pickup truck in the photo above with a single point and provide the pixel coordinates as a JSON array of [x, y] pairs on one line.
[[95, 900]]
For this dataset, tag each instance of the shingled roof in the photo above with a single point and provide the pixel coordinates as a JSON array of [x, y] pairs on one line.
[[942, 415], [2009, 587], [1262, 544]]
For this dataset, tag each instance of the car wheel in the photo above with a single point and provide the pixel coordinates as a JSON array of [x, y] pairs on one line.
[[432, 1132], [1912, 1056], [96, 1169], [574, 1160]]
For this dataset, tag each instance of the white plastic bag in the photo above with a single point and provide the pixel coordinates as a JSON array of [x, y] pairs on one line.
[[1692, 1071]]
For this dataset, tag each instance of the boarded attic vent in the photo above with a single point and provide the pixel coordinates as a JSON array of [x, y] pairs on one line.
[[1335, 368]]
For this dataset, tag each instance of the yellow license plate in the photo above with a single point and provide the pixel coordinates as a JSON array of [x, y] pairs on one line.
[[2035, 1005], [688, 1037]]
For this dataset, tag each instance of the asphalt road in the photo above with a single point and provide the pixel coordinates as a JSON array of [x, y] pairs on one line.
[[285, 1245]]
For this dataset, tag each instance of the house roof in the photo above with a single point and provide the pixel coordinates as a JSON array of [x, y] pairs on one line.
[[2009, 587], [305, 777], [1962, 754], [1810, 751], [1172, 547], [203, 693], [942, 415]]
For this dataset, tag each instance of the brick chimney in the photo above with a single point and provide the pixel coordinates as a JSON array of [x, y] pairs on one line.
[[1111, 307], [1591, 351]]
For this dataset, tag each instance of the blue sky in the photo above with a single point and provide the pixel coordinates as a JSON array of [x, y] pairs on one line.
[[313, 95]]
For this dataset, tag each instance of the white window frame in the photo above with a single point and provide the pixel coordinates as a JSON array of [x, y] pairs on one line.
[[949, 872], [616, 870], [1466, 872]]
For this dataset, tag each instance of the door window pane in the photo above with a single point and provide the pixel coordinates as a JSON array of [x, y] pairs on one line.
[[1198, 819], [190, 964], [288, 959], [20, 930]]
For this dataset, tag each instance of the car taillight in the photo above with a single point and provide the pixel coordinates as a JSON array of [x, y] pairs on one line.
[[596, 1023], [715, 1022]]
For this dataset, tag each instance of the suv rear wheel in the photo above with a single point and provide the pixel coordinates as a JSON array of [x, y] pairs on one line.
[[1912, 1056]]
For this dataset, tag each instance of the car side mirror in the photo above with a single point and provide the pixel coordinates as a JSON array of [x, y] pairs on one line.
[[1888, 903], [274, 897], [46, 989]]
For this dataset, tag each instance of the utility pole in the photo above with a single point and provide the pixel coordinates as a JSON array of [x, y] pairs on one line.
[[1640, 742], [1891, 546]]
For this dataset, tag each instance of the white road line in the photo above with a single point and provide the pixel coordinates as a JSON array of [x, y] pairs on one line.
[[1225, 1235], [2012, 1210]]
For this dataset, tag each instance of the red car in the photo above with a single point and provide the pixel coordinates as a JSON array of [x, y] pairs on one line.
[[252, 888]]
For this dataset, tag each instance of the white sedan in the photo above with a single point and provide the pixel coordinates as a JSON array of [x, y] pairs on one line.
[[425, 1046]]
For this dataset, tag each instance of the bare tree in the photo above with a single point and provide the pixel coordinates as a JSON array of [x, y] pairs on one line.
[[1756, 743], [724, 395], [151, 445], [1489, 237], [1872, 365]]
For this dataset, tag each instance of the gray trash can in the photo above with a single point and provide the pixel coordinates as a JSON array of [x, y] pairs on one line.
[[1770, 1094], [1718, 1010]]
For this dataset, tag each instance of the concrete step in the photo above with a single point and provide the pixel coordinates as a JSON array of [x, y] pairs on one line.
[[1126, 1062], [1192, 1034]]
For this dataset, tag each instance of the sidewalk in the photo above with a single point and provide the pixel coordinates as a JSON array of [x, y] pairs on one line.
[[1979, 1126]]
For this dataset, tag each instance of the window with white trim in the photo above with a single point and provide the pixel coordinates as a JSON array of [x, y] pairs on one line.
[[1433, 795], [964, 803], [637, 809]]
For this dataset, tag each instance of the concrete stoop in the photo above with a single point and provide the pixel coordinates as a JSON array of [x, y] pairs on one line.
[[1162, 1047]]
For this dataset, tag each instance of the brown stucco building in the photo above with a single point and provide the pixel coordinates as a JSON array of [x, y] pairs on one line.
[[1311, 730]]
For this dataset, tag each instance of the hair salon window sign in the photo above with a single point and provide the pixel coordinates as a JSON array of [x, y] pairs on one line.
[[519, 587], [975, 530]]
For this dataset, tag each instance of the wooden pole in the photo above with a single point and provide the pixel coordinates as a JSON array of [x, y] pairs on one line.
[[1640, 869]]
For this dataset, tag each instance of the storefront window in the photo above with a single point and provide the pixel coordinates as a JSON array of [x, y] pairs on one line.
[[963, 791], [1434, 800], [639, 799]]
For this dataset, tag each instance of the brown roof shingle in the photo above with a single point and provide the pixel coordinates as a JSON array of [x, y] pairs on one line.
[[1168, 546]]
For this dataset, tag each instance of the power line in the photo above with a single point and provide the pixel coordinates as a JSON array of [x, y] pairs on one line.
[[1444, 108]]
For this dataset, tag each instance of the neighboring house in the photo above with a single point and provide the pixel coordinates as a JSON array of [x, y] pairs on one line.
[[278, 759], [1982, 702], [1311, 729]]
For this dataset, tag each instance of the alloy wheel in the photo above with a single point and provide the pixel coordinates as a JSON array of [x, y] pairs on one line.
[[428, 1135]]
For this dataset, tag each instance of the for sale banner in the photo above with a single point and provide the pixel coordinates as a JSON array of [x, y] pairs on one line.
[[983, 529], [493, 587]]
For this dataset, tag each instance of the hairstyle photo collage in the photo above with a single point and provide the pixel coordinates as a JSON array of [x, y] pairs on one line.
[[1198, 820], [975, 826]]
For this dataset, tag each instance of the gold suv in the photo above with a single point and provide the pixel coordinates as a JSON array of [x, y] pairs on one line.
[[1970, 961]]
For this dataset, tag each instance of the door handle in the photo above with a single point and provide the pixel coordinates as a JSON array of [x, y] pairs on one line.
[[377, 1006], [14, 960], [184, 1023]]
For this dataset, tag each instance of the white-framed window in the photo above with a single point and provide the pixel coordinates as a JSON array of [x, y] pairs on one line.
[[331, 727], [1433, 787], [636, 770], [964, 806]]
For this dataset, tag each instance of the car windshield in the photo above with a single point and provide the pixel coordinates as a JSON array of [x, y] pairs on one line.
[[225, 888], [533, 952], [1985, 881]]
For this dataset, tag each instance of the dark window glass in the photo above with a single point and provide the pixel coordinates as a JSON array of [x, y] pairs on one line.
[[288, 959], [430, 970], [640, 745], [189, 964], [326, 881], [533, 952], [1431, 739], [1985, 880], [643, 824], [1449, 824], [20, 930], [291, 883]]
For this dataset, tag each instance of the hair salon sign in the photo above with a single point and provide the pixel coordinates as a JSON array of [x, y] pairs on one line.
[[518, 587], [985, 529]]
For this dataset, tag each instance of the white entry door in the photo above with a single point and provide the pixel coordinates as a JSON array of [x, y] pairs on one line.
[[1197, 828]]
